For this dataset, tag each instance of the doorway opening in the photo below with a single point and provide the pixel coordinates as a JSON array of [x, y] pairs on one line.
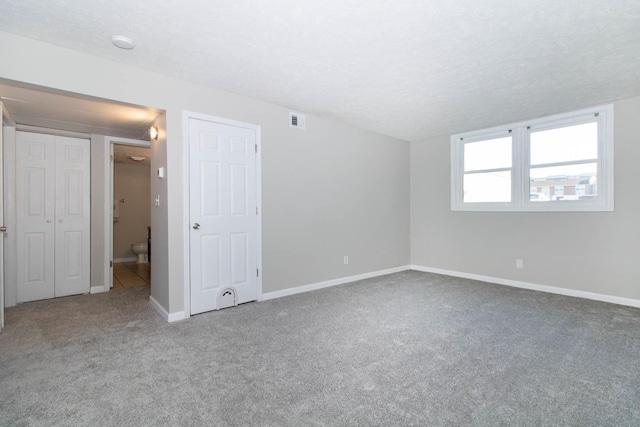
[[131, 215]]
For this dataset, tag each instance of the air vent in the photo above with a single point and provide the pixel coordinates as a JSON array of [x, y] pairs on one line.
[[297, 120]]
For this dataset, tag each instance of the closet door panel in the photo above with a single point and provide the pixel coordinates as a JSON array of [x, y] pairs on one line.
[[72, 240], [35, 201]]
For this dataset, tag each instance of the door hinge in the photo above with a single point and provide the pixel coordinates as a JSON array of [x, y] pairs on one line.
[[110, 263], [257, 272], [111, 159], [256, 145], [256, 210]]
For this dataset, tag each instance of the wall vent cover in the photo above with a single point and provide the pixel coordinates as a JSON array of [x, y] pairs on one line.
[[297, 120]]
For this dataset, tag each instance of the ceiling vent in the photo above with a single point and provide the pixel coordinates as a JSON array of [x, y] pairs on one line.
[[297, 120]]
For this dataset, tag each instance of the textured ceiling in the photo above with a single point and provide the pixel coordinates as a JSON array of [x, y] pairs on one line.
[[409, 69], [37, 107]]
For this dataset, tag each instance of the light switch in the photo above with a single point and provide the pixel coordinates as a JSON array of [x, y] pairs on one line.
[[161, 172]]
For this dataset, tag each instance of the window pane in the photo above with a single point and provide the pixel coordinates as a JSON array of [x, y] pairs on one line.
[[574, 182], [565, 144], [487, 187], [488, 154]]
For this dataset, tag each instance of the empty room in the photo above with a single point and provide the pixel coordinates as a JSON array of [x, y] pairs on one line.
[[319, 213]]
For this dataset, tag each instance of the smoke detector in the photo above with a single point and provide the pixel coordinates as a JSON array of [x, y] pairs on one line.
[[122, 42]]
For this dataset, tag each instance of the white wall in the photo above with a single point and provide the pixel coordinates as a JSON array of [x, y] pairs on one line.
[[592, 252], [329, 191]]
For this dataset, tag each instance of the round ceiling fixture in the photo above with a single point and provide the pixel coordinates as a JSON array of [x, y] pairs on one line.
[[137, 158], [122, 42]]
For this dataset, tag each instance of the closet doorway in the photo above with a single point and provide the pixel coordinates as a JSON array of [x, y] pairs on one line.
[[53, 185]]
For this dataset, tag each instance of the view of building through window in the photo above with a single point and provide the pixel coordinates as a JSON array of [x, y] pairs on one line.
[[564, 163]]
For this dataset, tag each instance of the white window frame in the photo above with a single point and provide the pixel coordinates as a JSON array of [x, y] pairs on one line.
[[520, 166]]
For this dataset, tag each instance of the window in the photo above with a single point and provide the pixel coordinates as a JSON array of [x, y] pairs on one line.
[[558, 163]]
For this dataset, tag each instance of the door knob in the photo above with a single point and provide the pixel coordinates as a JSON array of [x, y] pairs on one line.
[[196, 226]]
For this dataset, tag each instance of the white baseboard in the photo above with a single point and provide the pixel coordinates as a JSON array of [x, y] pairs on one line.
[[533, 286], [329, 283], [130, 259], [169, 317], [98, 289]]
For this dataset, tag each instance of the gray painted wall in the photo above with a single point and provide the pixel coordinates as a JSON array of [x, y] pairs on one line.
[[329, 191], [131, 183], [98, 211], [160, 288], [592, 251]]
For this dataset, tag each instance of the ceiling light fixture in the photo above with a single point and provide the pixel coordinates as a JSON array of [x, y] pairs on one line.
[[122, 42], [153, 133], [137, 158]]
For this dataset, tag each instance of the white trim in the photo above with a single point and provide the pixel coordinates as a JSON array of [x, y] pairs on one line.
[[51, 131], [127, 141], [7, 118], [169, 317], [107, 151], [98, 289], [533, 286], [330, 283], [128, 259], [186, 258], [186, 115], [259, 205], [10, 220]]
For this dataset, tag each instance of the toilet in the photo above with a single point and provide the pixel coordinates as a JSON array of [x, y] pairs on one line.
[[140, 249]]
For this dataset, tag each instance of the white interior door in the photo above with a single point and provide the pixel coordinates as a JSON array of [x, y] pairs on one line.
[[72, 216], [223, 213], [52, 204], [35, 188]]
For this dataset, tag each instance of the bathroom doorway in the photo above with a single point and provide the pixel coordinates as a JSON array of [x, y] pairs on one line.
[[131, 214]]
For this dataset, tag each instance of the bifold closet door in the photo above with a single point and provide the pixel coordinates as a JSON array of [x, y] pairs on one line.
[[72, 219], [53, 212], [35, 188]]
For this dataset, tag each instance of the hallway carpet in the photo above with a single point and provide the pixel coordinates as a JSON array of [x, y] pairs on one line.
[[405, 349]]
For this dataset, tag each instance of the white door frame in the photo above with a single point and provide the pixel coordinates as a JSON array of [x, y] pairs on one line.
[[10, 220], [186, 115], [2, 234], [109, 197]]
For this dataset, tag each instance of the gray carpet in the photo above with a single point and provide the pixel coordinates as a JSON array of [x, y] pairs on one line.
[[405, 349]]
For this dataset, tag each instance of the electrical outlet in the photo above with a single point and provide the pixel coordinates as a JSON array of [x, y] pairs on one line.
[[519, 263], [346, 260]]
